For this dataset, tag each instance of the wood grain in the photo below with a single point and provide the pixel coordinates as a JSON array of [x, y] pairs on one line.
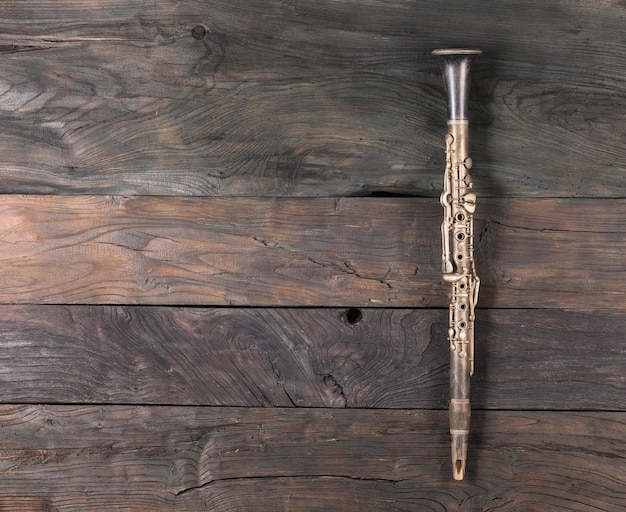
[[304, 251], [224, 251], [544, 252], [306, 99], [390, 358], [173, 458]]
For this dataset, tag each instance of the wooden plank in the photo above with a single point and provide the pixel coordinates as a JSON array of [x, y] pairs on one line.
[[223, 251], [550, 359], [304, 252], [543, 252], [526, 359], [305, 99], [173, 458]]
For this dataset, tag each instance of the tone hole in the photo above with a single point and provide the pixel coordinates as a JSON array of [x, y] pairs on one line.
[[353, 316]]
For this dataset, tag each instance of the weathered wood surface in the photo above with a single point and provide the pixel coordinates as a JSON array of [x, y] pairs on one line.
[[526, 359], [171, 458], [304, 251], [225, 251], [306, 98], [306, 102]]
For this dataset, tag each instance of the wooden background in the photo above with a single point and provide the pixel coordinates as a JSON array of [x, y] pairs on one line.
[[219, 255]]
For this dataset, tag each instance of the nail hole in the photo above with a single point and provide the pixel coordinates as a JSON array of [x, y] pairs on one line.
[[353, 316], [198, 32]]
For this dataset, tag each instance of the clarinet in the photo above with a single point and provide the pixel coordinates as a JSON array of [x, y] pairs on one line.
[[457, 235]]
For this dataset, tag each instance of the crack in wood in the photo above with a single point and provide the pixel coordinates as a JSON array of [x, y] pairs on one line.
[[324, 476], [336, 387]]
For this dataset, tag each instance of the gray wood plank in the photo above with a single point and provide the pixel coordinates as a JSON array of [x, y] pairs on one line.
[[174, 458], [525, 359], [302, 99]]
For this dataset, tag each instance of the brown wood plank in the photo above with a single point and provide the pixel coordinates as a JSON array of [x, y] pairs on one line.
[[526, 359], [305, 99], [304, 252], [223, 251], [172, 458], [551, 252]]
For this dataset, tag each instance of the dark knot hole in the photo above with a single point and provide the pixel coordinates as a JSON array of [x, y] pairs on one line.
[[353, 316]]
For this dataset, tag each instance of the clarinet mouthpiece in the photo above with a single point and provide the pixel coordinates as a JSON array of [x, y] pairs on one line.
[[459, 455], [459, 469]]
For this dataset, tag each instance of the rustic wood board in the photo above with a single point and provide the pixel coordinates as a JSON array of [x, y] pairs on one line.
[[526, 359], [304, 251], [175, 458], [306, 99], [224, 251]]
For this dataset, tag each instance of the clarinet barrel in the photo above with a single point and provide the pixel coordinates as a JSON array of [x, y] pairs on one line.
[[457, 232]]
